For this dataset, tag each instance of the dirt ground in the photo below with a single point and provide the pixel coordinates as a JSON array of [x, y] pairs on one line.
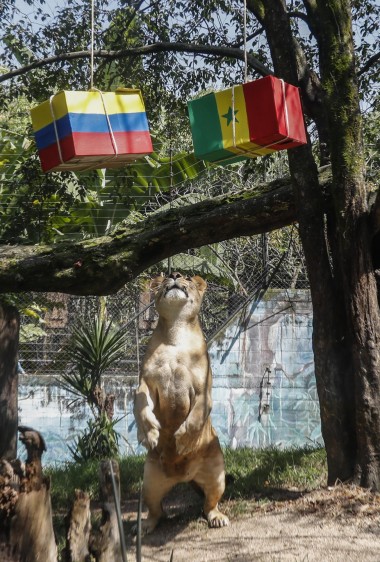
[[335, 524]]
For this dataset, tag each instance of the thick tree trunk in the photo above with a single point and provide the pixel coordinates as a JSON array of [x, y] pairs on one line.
[[9, 335], [333, 369], [331, 353], [353, 257], [345, 307]]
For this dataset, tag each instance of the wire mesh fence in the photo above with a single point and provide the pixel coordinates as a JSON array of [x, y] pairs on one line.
[[238, 272]]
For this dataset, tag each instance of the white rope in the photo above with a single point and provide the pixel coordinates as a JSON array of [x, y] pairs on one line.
[[55, 128], [92, 44], [113, 140], [285, 109], [170, 259], [245, 42]]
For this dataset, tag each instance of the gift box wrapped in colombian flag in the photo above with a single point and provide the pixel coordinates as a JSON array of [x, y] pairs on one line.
[[94, 129], [247, 120]]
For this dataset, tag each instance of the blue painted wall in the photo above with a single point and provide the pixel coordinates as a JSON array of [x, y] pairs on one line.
[[264, 388], [264, 384]]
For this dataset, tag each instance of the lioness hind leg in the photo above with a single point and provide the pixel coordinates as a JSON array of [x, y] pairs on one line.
[[155, 486], [211, 478], [213, 494]]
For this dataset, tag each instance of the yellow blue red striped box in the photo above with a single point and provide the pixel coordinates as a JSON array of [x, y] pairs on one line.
[[247, 120], [87, 130]]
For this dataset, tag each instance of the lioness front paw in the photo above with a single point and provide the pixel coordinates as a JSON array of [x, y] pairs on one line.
[[149, 439], [152, 438]]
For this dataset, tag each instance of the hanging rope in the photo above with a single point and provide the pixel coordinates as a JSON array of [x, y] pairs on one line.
[[170, 262], [92, 44], [245, 42]]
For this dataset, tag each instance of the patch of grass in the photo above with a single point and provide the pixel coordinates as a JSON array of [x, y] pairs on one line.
[[65, 479], [257, 471], [250, 472], [131, 474], [85, 476], [253, 474]]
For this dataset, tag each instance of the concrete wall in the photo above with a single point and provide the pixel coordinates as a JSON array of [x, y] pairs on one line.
[[55, 412], [264, 384], [264, 388]]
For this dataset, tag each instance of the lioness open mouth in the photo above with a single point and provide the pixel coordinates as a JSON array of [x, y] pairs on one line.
[[183, 289]]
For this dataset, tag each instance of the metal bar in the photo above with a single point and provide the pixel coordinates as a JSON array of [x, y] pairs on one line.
[[118, 515], [139, 528]]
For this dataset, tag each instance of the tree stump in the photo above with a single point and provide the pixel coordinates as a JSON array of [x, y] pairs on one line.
[[106, 543], [78, 531], [26, 527], [9, 336]]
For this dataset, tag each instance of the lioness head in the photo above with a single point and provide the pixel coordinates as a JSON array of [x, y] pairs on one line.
[[178, 295]]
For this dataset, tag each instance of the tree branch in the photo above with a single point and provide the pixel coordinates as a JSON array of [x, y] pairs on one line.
[[249, 38], [229, 52], [370, 62], [299, 15], [103, 265]]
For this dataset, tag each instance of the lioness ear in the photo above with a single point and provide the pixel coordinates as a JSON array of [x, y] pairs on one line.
[[156, 282], [200, 283]]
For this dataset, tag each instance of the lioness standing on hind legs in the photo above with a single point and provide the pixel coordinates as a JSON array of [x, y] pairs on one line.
[[173, 403]]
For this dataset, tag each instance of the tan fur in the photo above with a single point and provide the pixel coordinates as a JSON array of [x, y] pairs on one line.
[[173, 402]]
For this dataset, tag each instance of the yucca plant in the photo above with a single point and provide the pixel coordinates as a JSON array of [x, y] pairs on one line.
[[94, 346], [99, 440]]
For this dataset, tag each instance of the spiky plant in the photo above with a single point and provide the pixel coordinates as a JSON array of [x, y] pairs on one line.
[[94, 346], [99, 440]]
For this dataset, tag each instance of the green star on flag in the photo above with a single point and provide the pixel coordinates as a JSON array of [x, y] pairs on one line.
[[229, 116]]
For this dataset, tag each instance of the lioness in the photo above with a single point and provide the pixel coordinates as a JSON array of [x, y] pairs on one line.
[[173, 403]]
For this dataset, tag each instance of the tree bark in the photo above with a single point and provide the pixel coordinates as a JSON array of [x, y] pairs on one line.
[[106, 544], [9, 336], [103, 265], [346, 325], [354, 260], [32, 532], [78, 531], [331, 351], [26, 523]]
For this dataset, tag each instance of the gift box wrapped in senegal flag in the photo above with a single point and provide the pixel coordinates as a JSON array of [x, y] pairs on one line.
[[94, 129], [247, 120]]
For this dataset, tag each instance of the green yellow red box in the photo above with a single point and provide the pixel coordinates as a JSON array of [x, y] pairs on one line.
[[247, 120]]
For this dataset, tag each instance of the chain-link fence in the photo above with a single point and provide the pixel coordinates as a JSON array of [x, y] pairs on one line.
[[238, 272]]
